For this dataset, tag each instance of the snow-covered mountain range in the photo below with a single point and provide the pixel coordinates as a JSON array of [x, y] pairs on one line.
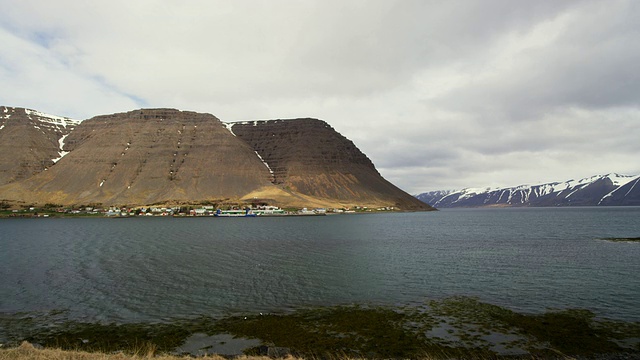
[[604, 190]]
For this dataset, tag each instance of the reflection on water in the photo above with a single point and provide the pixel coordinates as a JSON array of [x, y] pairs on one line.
[[200, 344]]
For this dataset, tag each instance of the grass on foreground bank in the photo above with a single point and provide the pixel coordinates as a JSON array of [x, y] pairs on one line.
[[458, 327], [26, 351]]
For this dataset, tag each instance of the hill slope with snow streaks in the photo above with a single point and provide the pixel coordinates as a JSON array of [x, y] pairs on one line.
[[605, 190]]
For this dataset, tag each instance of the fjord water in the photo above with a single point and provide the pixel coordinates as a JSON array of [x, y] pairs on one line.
[[158, 269]]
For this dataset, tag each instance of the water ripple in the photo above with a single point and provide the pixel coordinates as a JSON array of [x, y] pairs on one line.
[[149, 269]]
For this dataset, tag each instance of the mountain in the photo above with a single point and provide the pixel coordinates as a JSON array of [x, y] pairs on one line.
[[605, 190], [153, 156], [30, 142], [308, 156]]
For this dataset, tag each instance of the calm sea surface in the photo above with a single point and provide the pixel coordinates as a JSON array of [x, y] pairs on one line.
[[158, 269]]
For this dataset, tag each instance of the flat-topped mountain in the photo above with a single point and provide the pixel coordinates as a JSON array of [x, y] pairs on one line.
[[598, 190], [152, 156], [308, 156], [149, 156]]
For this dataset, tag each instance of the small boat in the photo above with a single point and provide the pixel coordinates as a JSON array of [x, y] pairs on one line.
[[234, 213]]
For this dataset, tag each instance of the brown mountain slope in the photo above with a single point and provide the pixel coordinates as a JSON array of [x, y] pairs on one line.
[[153, 156], [29, 142], [145, 157], [308, 156]]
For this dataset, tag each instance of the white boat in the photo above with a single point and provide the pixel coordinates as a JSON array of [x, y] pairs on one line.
[[234, 213]]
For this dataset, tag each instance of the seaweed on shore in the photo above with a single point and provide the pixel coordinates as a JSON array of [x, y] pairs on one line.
[[569, 332], [352, 331], [459, 327], [131, 338], [622, 239]]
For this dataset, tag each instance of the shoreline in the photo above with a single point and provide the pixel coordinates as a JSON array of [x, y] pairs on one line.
[[456, 327], [27, 351], [179, 216]]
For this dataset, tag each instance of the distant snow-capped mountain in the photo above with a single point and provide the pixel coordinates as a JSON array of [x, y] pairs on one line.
[[606, 190]]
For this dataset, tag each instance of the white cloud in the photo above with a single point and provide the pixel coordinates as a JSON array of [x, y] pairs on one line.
[[32, 78], [438, 94]]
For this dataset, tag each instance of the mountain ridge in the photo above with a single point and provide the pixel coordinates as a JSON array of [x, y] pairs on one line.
[[599, 190], [149, 156], [32, 140]]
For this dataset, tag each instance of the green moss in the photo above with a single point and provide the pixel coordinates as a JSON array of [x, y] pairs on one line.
[[569, 332], [132, 338], [353, 331], [457, 327]]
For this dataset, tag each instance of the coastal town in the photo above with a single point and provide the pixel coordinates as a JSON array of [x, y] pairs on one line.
[[181, 211]]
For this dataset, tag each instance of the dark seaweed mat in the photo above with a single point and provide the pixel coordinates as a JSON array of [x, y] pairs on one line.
[[622, 239], [361, 331]]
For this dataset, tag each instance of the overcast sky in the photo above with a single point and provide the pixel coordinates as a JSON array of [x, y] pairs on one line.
[[438, 94]]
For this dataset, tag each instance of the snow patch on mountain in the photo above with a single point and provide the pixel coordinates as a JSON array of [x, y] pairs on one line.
[[51, 119], [632, 187], [63, 126], [620, 181], [587, 191], [264, 162], [229, 127], [61, 153]]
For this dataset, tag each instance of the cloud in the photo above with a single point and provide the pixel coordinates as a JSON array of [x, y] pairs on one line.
[[31, 78], [438, 94], [582, 57]]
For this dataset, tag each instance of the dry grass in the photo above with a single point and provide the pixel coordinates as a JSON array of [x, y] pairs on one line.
[[290, 199], [27, 351]]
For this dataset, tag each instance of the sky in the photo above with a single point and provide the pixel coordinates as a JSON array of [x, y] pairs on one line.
[[438, 94]]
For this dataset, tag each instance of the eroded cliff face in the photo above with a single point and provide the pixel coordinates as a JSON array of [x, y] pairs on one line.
[[153, 156], [30, 142], [308, 156], [149, 156]]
